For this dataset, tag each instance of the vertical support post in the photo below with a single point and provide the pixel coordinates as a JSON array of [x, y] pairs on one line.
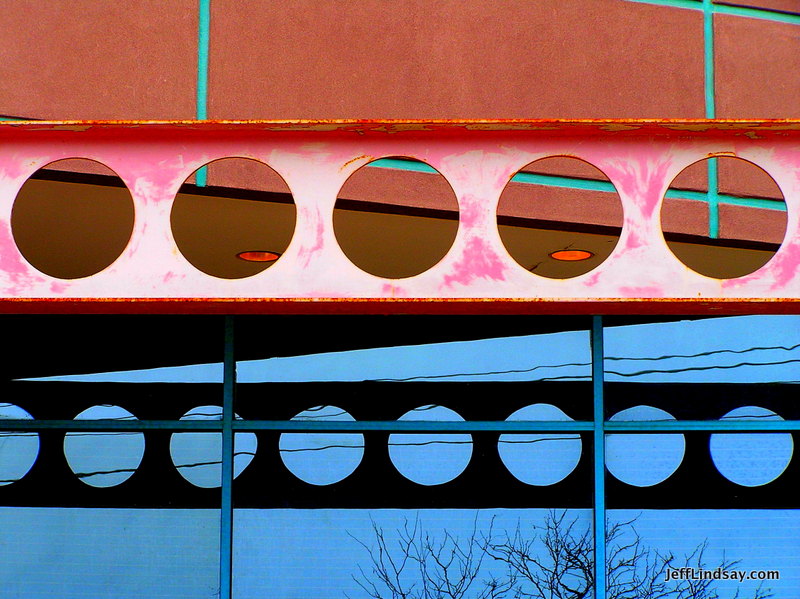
[[599, 460], [226, 507], [713, 199], [708, 58], [201, 112], [711, 113]]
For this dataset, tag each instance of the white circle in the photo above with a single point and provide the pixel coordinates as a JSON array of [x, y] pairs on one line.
[[644, 459], [322, 458], [543, 458], [198, 456], [104, 459], [18, 449], [751, 459], [430, 458]]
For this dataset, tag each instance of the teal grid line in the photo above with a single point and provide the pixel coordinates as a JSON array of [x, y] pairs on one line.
[[713, 199], [203, 24], [723, 9], [203, 35], [590, 185], [711, 111], [757, 13], [708, 59], [709, 9]]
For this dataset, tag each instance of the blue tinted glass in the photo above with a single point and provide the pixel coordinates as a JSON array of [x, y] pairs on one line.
[[413, 553], [723, 552]]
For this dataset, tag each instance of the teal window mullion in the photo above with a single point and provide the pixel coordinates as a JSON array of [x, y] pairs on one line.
[[711, 113], [599, 459], [201, 99], [713, 199], [226, 503]]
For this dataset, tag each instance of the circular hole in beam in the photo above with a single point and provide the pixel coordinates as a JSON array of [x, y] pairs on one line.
[[738, 236], [18, 449], [430, 458], [559, 217], [646, 459], [540, 459], [751, 459], [244, 210], [72, 218], [395, 217], [322, 458], [198, 456], [107, 458]]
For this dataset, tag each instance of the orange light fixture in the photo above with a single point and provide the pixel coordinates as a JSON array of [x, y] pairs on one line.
[[571, 255], [258, 256]]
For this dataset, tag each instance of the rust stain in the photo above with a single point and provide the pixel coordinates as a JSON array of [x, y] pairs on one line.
[[389, 125], [362, 305], [619, 127], [356, 159]]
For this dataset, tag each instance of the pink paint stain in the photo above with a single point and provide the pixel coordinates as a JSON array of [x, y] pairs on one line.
[[786, 264], [12, 265], [307, 253], [15, 166], [479, 261], [392, 290], [634, 241], [592, 279], [651, 291], [638, 182], [57, 287], [471, 211], [787, 157]]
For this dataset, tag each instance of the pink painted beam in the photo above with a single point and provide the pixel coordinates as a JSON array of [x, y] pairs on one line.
[[477, 158]]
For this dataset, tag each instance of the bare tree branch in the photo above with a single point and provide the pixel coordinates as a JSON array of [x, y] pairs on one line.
[[553, 560]]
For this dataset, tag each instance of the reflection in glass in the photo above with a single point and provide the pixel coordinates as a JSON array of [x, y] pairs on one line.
[[751, 459], [18, 449], [644, 460], [710, 350], [751, 544], [322, 458], [430, 458], [77, 553], [104, 459], [540, 459], [198, 456], [488, 553]]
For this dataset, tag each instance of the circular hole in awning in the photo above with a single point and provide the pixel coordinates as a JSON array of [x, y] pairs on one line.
[[72, 218], [243, 210]]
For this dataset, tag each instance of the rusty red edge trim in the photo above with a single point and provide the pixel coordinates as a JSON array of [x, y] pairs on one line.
[[499, 124], [433, 306]]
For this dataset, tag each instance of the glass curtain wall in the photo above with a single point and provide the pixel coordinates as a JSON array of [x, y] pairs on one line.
[[400, 456]]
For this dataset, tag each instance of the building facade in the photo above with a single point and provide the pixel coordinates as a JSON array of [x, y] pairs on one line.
[[221, 394]]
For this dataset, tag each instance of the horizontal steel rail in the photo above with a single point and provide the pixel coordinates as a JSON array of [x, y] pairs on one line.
[[478, 158], [395, 426]]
